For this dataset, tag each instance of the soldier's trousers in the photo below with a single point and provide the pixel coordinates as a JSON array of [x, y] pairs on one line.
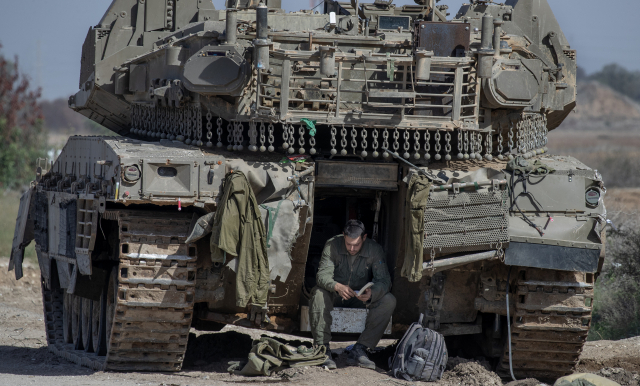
[[322, 303]]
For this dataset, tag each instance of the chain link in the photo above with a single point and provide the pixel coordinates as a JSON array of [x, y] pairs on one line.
[[230, 130], [143, 125], [240, 135], [334, 131], [151, 122], [253, 136], [209, 128], [343, 140], [406, 146], [292, 139], [479, 147], [236, 138], [416, 144], [466, 145], [438, 146], [488, 145], [262, 137], [180, 126], [188, 124], [219, 132], [285, 136], [301, 139], [133, 129], [271, 138], [199, 124], [164, 118], [374, 144], [427, 145], [530, 143], [510, 140], [385, 143], [520, 137], [447, 147], [312, 142], [460, 139], [166, 125], [363, 143], [396, 145], [175, 118], [354, 142]]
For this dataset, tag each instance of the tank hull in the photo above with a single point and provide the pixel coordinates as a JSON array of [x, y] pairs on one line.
[[146, 286]]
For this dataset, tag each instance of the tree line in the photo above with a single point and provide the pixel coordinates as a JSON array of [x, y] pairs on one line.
[[21, 126]]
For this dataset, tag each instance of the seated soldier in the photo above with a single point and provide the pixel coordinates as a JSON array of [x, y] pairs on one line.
[[349, 261]]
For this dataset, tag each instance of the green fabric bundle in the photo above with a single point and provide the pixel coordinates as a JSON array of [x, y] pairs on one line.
[[268, 356], [519, 165]]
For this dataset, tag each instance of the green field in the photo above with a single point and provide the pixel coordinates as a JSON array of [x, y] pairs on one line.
[[9, 203]]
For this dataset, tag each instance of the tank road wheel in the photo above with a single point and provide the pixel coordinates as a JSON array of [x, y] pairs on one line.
[[98, 327], [111, 300], [76, 322], [64, 311], [87, 313], [67, 316]]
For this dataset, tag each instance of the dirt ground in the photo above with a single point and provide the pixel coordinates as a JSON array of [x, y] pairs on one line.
[[25, 359]]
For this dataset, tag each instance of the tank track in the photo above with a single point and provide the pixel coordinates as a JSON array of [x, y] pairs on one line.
[[153, 301], [550, 325]]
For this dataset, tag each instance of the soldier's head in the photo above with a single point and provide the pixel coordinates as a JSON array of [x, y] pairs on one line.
[[354, 236]]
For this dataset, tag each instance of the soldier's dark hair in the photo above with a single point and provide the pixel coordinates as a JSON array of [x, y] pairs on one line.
[[354, 229]]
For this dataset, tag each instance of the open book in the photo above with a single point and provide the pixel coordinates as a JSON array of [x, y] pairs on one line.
[[366, 287]]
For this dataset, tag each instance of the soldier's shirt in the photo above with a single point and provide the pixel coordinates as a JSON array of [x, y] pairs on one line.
[[369, 265]]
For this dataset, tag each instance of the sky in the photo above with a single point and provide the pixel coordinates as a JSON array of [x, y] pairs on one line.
[[47, 35]]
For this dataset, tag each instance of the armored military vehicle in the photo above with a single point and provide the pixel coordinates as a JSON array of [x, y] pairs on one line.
[[330, 114]]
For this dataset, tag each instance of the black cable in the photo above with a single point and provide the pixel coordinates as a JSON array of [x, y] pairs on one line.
[[522, 177], [509, 326]]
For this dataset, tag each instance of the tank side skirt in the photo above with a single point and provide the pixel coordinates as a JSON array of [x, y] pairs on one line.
[[156, 291]]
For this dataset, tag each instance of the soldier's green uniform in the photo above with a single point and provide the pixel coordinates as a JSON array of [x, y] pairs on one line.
[[338, 266]]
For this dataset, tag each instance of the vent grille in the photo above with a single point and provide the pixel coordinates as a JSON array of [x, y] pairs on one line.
[[466, 221]]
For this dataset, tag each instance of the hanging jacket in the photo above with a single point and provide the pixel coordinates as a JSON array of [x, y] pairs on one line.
[[238, 231], [417, 197]]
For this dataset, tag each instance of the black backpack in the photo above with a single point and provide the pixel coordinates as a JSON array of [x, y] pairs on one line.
[[421, 355]]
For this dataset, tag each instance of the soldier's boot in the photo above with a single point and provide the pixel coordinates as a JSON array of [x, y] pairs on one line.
[[358, 357], [331, 365]]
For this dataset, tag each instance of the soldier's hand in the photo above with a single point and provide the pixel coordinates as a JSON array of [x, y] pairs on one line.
[[344, 291], [365, 296]]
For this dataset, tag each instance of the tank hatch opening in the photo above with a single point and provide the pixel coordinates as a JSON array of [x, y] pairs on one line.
[[332, 209]]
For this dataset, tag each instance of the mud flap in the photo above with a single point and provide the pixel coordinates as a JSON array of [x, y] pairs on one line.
[[23, 234], [552, 257]]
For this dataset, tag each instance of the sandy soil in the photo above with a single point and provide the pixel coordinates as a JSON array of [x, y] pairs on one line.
[[25, 359]]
